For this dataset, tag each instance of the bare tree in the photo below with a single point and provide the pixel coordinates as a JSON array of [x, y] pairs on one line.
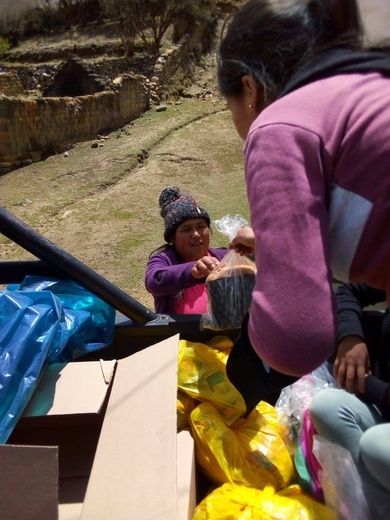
[[147, 19], [122, 14]]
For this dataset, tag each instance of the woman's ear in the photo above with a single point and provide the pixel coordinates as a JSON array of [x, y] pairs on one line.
[[251, 91]]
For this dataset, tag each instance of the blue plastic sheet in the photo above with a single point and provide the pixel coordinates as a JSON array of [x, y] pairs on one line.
[[44, 321], [91, 320]]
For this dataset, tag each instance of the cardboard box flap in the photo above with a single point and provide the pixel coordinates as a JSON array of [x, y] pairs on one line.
[[28, 482], [72, 388], [134, 471], [186, 489]]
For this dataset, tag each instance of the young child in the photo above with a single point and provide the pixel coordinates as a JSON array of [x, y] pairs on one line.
[[176, 272]]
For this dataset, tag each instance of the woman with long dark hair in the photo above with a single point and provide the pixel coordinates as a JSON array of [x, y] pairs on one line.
[[313, 106]]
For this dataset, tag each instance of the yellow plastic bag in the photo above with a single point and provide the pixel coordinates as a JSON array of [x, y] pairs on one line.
[[222, 345], [220, 342], [250, 452], [185, 405], [202, 376], [270, 413], [232, 502]]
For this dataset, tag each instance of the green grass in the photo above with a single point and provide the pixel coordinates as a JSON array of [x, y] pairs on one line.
[[4, 45]]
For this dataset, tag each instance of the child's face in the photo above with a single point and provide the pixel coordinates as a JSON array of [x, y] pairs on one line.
[[192, 239]]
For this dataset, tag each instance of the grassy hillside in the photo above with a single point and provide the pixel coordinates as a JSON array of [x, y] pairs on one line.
[[16, 4]]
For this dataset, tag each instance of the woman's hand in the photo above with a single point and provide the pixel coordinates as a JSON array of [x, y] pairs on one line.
[[204, 266], [352, 364], [244, 241]]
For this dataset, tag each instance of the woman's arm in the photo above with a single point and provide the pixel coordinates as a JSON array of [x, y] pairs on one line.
[[166, 277], [351, 299], [352, 363], [292, 316]]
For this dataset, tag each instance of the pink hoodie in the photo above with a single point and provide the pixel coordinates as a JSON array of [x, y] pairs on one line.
[[317, 167]]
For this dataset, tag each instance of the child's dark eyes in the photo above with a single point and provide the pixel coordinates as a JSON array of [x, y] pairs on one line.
[[200, 229]]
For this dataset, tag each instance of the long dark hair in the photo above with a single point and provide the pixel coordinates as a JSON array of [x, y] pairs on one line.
[[160, 249], [269, 40]]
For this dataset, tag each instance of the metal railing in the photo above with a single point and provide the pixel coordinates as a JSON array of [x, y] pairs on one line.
[[63, 263]]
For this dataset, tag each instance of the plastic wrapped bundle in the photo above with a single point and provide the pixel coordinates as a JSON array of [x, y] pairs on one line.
[[229, 292]]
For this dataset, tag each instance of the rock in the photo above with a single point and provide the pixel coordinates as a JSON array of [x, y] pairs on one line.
[[194, 91], [36, 156], [161, 108], [94, 145]]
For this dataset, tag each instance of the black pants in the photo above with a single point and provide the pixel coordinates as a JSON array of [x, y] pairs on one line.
[[246, 372]]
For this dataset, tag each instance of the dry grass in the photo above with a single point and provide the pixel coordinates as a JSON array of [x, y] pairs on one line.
[[100, 204]]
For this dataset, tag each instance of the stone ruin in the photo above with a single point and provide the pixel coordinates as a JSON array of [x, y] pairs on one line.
[[77, 105], [10, 84], [74, 79]]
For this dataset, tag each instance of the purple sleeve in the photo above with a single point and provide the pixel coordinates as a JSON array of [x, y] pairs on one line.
[[292, 316], [163, 277], [218, 253]]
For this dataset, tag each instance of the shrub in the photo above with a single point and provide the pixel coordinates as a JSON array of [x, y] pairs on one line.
[[120, 12], [12, 25], [18, 23], [4, 45], [150, 19]]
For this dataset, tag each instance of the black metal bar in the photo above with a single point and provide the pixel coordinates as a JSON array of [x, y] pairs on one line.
[[41, 247], [132, 337], [14, 271]]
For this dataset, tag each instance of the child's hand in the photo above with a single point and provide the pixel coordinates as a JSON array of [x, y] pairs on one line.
[[204, 266]]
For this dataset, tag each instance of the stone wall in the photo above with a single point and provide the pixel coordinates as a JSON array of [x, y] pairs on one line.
[[170, 60], [34, 128], [10, 84]]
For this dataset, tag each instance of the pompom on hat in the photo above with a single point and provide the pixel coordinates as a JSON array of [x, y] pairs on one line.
[[176, 208]]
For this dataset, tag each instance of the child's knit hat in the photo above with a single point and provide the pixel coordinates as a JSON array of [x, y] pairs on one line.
[[176, 208]]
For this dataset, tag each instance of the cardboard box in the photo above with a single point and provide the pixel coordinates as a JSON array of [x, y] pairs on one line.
[[98, 441]]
